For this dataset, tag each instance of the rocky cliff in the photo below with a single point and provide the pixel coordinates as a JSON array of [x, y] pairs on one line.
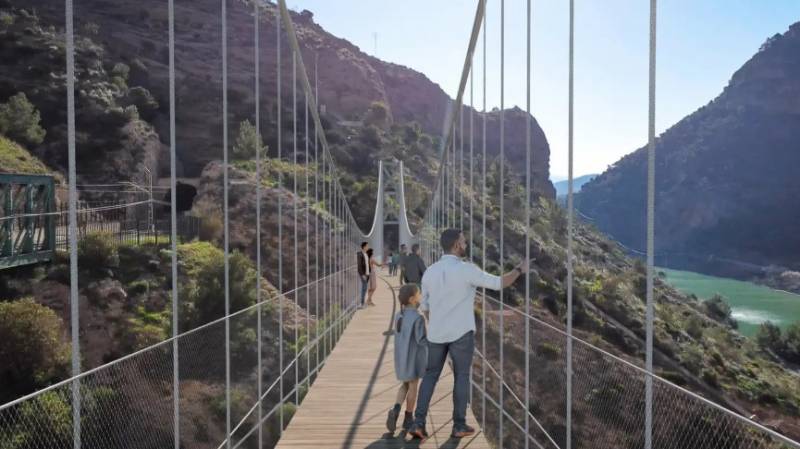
[[349, 79], [726, 175]]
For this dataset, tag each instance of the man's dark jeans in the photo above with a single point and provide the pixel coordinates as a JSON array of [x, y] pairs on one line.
[[461, 352], [364, 285]]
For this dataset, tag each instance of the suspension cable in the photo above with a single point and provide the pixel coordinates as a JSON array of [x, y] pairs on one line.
[[651, 174], [259, 336], [501, 194], [176, 404], [295, 271], [570, 224], [279, 112], [528, 220], [484, 199], [226, 223]]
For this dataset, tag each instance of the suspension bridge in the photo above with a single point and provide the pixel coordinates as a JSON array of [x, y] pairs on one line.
[[304, 367]]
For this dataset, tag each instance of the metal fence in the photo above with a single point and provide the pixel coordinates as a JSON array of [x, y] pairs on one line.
[[130, 224]]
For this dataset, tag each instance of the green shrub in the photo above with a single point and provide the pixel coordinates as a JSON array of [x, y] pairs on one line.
[[371, 138], [53, 416], [718, 309], [692, 358], [710, 377], [121, 70], [32, 350], [144, 101], [549, 351], [120, 82], [6, 19], [211, 225], [98, 250], [248, 142], [792, 342], [769, 337], [240, 403], [377, 115], [695, 327], [15, 159], [146, 328], [90, 29], [19, 120], [204, 269]]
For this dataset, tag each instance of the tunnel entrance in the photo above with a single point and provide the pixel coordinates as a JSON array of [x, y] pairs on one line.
[[184, 197], [391, 238]]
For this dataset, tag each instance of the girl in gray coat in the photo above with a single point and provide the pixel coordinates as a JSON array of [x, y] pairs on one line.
[[410, 354]]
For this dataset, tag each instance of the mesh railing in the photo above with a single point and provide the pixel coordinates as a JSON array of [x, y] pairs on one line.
[[608, 397], [129, 402]]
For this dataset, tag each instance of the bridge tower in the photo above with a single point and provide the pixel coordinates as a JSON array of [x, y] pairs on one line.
[[390, 209]]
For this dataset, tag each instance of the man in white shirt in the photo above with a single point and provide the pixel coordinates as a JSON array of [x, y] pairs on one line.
[[362, 259], [448, 295]]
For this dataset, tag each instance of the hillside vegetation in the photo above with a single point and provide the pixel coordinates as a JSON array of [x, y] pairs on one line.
[[15, 159]]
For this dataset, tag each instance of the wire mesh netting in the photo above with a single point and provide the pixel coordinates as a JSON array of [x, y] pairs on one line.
[[608, 396], [126, 404], [129, 403]]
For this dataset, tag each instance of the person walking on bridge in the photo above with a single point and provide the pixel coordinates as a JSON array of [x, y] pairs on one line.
[[414, 266], [448, 295], [401, 261], [362, 259], [373, 276]]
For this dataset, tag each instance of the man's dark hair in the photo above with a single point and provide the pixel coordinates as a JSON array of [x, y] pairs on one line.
[[449, 238], [363, 244], [407, 291], [414, 248]]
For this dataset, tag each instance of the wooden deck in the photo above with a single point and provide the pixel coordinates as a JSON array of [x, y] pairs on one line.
[[347, 404]]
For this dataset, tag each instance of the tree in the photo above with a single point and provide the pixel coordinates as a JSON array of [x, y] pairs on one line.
[[377, 115], [33, 351], [144, 101], [769, 337], [371, 137], [718, 309], [248, 142], [411, 133], [792, 342], [19, 120]]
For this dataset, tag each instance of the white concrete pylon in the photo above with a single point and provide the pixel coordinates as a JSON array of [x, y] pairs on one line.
[[375, 237]]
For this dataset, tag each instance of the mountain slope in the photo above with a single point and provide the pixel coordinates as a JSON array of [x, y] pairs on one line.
[[349, 79], [726, 175], [562, 187]]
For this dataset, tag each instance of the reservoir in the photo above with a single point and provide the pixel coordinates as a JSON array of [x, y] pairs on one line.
[[751, 304]]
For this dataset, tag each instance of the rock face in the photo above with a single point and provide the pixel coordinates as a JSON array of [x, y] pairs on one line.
[[112, 141], [726, 175], [349, 80]]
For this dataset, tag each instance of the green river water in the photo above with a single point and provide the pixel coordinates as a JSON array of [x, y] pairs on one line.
[[751, 304]]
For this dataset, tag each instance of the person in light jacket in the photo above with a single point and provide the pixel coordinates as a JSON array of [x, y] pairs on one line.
[[448, 296], [410, 354]]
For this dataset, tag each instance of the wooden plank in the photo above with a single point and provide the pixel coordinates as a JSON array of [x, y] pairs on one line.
[[347, 404]]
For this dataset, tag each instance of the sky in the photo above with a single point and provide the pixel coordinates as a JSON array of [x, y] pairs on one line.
[[700, 44]]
